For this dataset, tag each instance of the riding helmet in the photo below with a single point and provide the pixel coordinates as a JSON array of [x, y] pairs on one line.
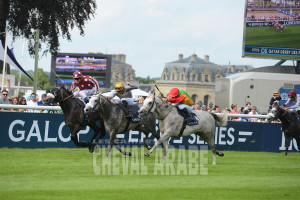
[[77, 74], [292, 93], [174, 92], [119, 87]]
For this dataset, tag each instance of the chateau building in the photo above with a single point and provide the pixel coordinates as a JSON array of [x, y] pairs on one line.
[[119, 68], [196, 76]]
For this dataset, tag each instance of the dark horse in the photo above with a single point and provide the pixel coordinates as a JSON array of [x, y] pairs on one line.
[[290, 124], [115, 122], [74, 115]]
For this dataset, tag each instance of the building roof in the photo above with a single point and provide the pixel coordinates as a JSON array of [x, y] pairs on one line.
[[195, 64]]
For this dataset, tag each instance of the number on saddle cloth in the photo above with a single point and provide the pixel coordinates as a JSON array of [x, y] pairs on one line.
[[135, 112]]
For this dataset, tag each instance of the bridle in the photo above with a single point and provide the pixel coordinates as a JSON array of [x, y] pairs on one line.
[[153, 98]]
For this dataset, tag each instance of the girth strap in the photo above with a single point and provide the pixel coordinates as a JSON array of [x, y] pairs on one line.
[[182, 128]]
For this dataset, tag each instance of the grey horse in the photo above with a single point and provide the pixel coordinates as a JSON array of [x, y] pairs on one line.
[[171, 122], [115, 121]]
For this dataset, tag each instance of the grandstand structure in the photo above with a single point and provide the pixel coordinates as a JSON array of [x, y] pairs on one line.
[[260, 10]]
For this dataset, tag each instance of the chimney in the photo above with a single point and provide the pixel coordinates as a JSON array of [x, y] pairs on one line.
[[194, 58], [123, 58], [232, 69], [206, 58], [180, 56]]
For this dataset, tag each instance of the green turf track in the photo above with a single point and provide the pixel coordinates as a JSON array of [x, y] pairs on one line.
[[69, 174], [268, 37]]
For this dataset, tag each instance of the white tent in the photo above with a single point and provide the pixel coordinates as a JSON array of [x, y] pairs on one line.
[[135, 94]]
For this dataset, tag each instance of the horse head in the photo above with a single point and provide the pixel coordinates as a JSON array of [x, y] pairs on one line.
[[94, 103], [57, 94], [149, 105], [276, 112]]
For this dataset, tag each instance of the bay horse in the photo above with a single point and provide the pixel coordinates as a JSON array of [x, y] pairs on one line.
[[170, 123], [290, 123], [74, 115], [115, 122]]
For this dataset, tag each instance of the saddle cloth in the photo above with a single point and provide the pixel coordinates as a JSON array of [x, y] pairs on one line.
[[134, 109]]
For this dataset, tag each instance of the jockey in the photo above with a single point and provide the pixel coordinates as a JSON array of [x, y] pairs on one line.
[[87, 86], [124, 93], [295, 99], [182, 99], [276, 97]]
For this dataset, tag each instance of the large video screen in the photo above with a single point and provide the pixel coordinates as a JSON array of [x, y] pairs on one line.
[[272, 29], [95, 65]]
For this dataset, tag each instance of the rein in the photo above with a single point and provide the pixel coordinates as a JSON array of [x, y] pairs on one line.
[[163, 101], [283, 114], [67, 97]]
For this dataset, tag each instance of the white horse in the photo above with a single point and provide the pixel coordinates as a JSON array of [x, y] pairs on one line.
[[171, 122]]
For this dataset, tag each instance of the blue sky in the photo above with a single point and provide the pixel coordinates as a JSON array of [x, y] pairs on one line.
[[153, 32]]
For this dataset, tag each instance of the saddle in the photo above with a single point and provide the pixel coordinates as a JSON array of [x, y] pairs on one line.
[[189, 119]]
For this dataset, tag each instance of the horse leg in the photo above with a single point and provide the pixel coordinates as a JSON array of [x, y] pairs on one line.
[[74, 136], [116, 142], [96, 130], [102, 134], [209, 138], [146, 132], [166, 146], [287, 143], [158, 142], [110, 144]]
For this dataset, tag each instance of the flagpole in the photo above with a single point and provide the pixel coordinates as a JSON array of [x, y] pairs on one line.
[[22, 61], [37, 35], [4, 61]]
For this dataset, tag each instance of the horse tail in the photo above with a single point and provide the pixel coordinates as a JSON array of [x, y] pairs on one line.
[[220, 119]]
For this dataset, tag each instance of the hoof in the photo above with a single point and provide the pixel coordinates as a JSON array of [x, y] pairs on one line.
[[129, 154], [147, 154], [221, 154], [92, 148], [148, 147]]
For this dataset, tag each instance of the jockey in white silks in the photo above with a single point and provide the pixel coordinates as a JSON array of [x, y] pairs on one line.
[[295, 100], [124, 93], [87, 86]]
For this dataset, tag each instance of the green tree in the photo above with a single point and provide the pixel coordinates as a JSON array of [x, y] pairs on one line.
[[54, 18], [43, 81]]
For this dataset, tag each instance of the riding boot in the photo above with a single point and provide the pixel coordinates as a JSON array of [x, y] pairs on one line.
[[129, 114], [185, 111]]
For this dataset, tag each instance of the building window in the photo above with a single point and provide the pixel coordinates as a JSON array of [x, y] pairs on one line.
[[206, 100], [194, 96], [193, 77], [173, 76], [206, 78], [164, 78], [182, 77]]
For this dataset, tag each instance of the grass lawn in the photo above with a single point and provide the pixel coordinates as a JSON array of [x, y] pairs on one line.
[[269, 37], [69, 174]]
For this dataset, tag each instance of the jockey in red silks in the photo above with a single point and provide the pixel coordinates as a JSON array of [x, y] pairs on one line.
[[87, 86], [182, 99]]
